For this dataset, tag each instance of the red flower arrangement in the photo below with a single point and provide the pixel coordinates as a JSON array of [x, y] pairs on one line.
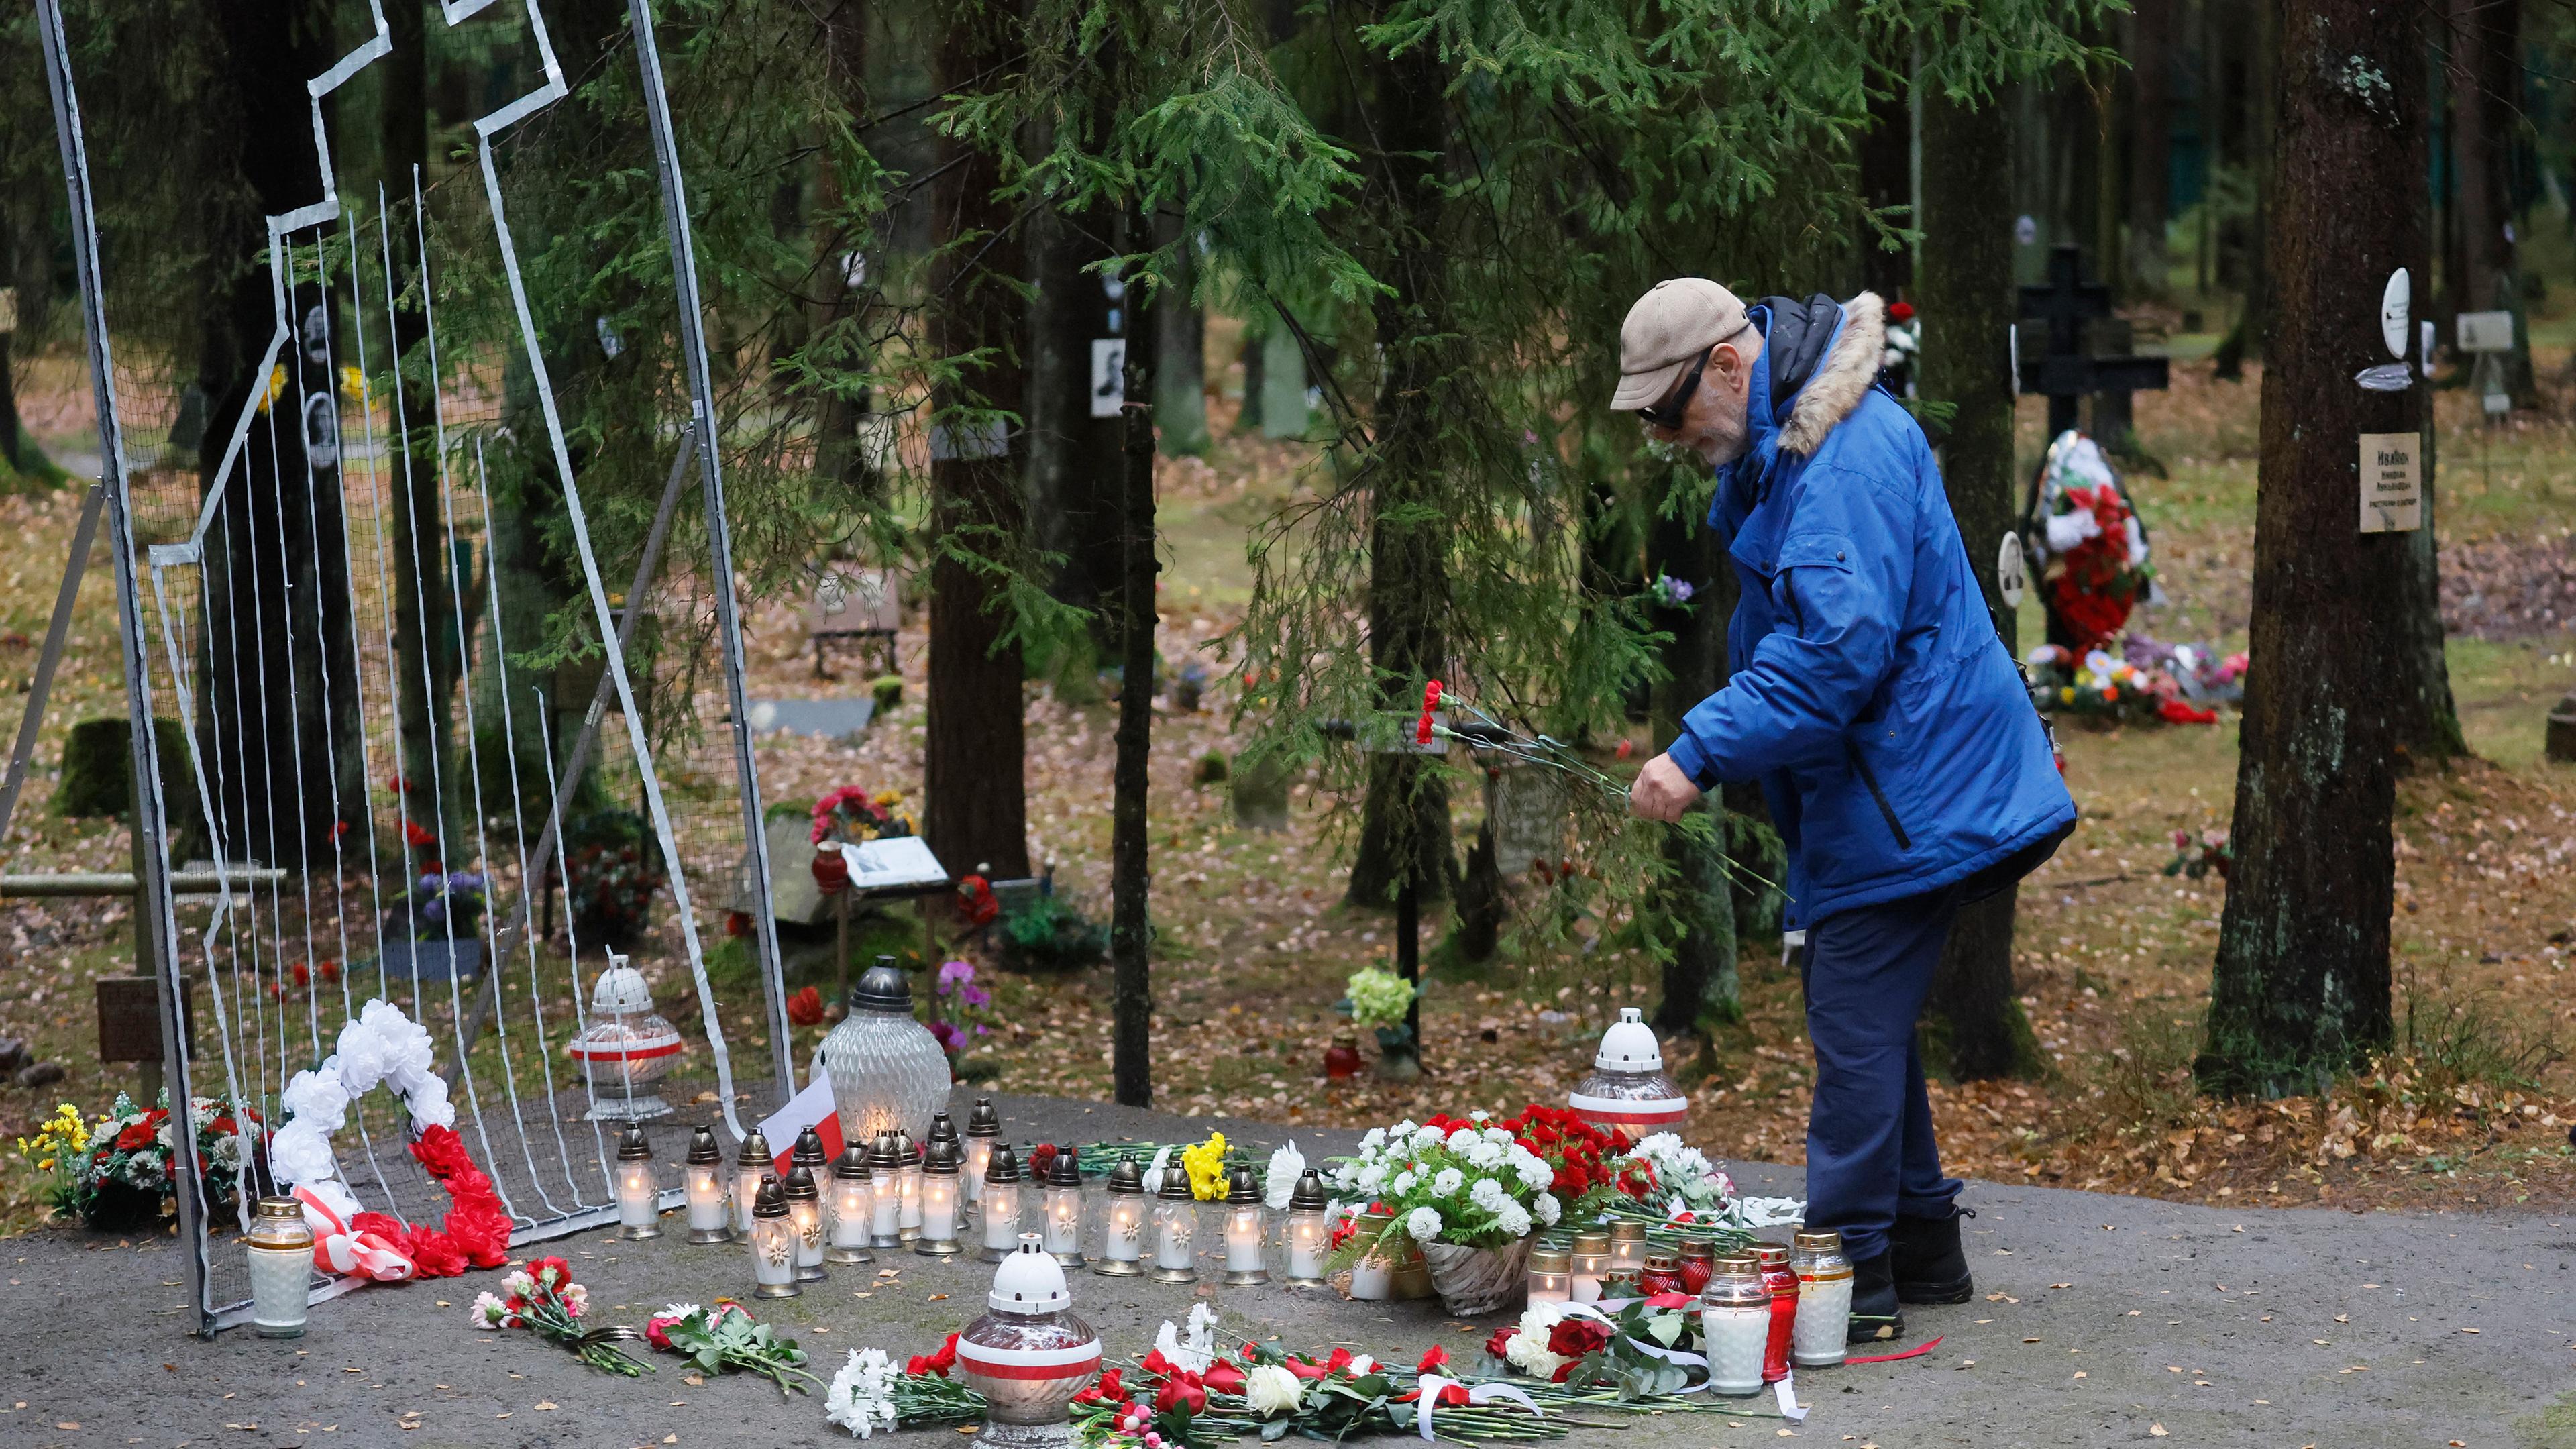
[[975, 901], [805, 1008], [1580, 1152], [476, 1232]]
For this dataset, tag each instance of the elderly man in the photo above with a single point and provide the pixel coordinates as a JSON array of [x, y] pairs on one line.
[[1879, 710]]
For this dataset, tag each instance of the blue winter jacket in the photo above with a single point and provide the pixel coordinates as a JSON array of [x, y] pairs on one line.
[[1871, 696]]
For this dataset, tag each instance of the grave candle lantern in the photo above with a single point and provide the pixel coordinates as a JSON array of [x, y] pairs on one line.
[[1822, 1332], [1306, 1233], [1122, 1232], [805, 1210], [753, 1163], [1176, 1225], [885, 1193], [280, 1247], [1735, 1319], [887, 1069], [703, 1171], [773, 1243], [1627, 1247], [854, 1207], [939, 1193], [1784, 1309], [1001, 1204], [639, 1199], [1591, 1264], [983, 1128], [1030, 1354], [1551, 1276], [1628, 1091], [1064, 1207], [908, 1188], [1247, 1231]]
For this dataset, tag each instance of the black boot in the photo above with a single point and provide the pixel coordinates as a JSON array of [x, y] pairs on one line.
[[1929, 1264], [1875, 1318]]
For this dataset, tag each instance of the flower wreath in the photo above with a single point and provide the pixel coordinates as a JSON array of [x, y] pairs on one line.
[[383, 1045]]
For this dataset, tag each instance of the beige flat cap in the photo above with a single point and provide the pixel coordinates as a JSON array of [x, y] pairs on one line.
[[1669, 326]]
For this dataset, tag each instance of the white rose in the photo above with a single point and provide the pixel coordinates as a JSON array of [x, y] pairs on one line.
[[1423, 1224], [1547, 1209], [1271, 1390], [1448, 1180]]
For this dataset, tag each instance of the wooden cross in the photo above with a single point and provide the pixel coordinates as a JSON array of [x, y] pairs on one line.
[[2067, 371]]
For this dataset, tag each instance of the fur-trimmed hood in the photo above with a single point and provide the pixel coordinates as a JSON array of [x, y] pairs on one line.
[[1824, 359]]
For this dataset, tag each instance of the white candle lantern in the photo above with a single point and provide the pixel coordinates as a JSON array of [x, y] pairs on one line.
[[1063, 1228], [280, 1247], [1176, 1226], [1628, 1247], [1821, 1335], [885, 1193], [1591, 1264], [1306, 1232], [1122, 1229], [752, 1164], [703, 1174], [639, 1197], [1551, 1276], [908, 1187], [939, 1194], [773, 1243], [1628, 1090], [1735, 1319], [805, 1210], [1247, 1231], [854, 1208], [983, 1129], [887, 1070], [1030, 1355], [1001, 1204]]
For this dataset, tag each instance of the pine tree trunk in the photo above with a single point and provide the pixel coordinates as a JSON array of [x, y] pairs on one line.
[[974, 767], [2153, 26], [1074, 459], [2300, 990], [1968, 305], [1131, 930], [2250, 336], [841, 441], [276, 577], [1700, 986], [1404, 823], [1180, 349], [1886, 157]]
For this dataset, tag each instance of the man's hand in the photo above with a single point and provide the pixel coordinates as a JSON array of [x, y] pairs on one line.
[[1662, 791]]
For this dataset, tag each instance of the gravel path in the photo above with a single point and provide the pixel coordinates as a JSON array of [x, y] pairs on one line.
[[2098, 1320]]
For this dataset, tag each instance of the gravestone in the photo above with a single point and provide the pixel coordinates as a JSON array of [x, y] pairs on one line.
[[1284, 412], [1528, 805], [824, 719], [2065, 369]]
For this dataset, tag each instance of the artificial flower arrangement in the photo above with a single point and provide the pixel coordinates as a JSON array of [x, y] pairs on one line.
[[2213, 851], [1380, 1001], [119, 1172], [2098, 686], [852, 814], [726, 1337], [542, 1298]]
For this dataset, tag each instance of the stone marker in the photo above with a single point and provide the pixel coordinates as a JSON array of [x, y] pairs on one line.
[[829, 719]]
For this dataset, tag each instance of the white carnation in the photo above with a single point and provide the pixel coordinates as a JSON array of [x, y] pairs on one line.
[[861, 1398], [1489, 1195], [1423, 1224], [1533, 1170], [1403, 1182], [1375, 1139], [1370, 1176], [1484, 1154], [1447, 1181], [1547, 1209], [318, 1097], [1426, 1138], [1459, 1138], [1513, 1219], [1527, 1349]]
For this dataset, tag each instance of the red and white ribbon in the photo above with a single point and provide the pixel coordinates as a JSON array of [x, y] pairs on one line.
[[338, 1250], [1082, 1360], [1650, 1112], [1431, 1385]]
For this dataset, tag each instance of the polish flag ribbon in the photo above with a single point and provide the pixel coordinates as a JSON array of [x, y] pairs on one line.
[[337, 1250]]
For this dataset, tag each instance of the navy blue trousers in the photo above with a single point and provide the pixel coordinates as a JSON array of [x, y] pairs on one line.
[[1870, 1154]]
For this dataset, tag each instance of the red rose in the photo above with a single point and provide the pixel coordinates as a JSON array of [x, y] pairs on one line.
[[1575, 1337], [1500, 1344], [1564, 1371], [1224, 1377], [805, 1008], [1181, 1389], [1432, 1359]]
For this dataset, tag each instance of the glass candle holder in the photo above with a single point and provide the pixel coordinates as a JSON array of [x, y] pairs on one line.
[[887, 1070], [1001, 1204], [940, 1191], [1176, 1227], [885, 1194], [1591, 1264], [280, 1248], [1627, 1090], [1627, 1247], [1822, 1334], [1122, 1221], [805, 1210], [1699, 1262], [1247, 1231], [1551, 1276], [853, 1205], [773, 1243], [753, 1163], [983, 1129], [1735, 1319], [703, 1175], [1063, 1227], [1662, 1274], [1306, 1232], [1783, 1283], [639, 1197], [908, 1188]]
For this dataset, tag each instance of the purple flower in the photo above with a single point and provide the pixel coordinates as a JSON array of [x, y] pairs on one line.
[[954, 972], [433, 883], [975, 996], [465, 880], [950, 1038], [436, 910]]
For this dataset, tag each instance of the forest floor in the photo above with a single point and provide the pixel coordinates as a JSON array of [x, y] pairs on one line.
[[2472, 1110]]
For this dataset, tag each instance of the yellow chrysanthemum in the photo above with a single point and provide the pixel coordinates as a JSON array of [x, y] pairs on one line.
[[276, 386], [1206, 1166], [353, 383]]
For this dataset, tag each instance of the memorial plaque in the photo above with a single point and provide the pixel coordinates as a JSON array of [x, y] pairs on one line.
[[1529, 806], [129, 1019], [2392, 485]]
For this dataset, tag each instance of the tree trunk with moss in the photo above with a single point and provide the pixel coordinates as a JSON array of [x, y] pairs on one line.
[[2300, 990], [1966, 285]]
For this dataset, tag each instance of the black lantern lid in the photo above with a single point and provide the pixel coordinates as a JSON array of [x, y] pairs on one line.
[[1309, 1195], [770, 1201], [632, 1145], [883, 1156], [1066, 1170], [808, 1151], [1003, 1166], [702, 1146], [1176, 1185], [1128, 1177], [984, 1120], [800, 1184], [1242, 1186], [883, 988], [907, 1149], [755, 1151], [941, 1129], [943, 1158], [852, 1164]]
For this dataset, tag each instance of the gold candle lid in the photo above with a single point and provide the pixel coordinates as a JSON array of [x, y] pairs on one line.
[[1820, 1242], [1627, 1231], [1698, 1250], [1736, 1263], [1592, 1240], [1550, 1260], [1662, 1262], [1771, 1255]]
